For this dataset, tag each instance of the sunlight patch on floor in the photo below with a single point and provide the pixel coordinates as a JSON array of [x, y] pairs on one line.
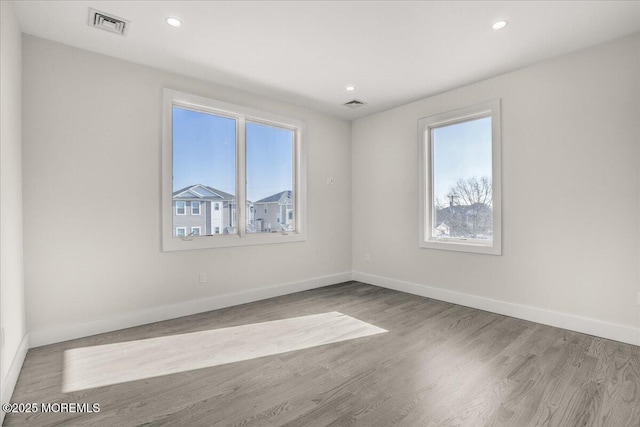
[[102, 365]]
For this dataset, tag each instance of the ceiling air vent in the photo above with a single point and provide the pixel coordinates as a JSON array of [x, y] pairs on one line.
[[107, 22], [355, 103]]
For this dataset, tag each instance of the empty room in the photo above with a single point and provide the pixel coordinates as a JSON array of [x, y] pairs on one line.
[[320, 213]]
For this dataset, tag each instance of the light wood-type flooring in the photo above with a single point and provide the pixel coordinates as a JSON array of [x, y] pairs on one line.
[[439, 364]]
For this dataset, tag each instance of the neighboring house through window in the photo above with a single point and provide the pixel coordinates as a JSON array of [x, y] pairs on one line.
[[278, 210], [233, 144], [203, 200]]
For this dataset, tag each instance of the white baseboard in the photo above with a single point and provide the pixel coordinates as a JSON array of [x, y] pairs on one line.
[[10, 380], [67, 332], [572, 322]]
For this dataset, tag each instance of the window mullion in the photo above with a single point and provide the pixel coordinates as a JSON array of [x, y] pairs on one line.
[[241, 179]]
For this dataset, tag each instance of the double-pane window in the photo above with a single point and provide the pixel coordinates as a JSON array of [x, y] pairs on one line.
[[244, 168]]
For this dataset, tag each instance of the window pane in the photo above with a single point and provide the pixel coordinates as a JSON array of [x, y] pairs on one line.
[[204, 168], [270, 192], [462, 188], [180, 207]]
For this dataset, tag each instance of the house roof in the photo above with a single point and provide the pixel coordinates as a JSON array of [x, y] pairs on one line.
[[199, 191], [276, 197]]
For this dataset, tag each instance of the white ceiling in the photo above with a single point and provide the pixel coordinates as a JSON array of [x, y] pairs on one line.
[[306, 52]]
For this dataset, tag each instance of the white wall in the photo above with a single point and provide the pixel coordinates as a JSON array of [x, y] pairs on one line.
[[571, 199], [92, 135], [12, 317], [571, 140]]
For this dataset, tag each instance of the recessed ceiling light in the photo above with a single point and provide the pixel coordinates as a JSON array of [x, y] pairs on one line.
[[499, 25], [350, 88], [174, 22]]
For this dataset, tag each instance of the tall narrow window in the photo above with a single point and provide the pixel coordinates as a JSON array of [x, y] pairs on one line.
[[204, 161], [270, 174], [460, 180], [233, 160], [181, 207], [195, 208]]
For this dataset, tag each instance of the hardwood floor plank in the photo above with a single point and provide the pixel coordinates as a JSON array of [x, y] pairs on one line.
[[96, 366], [439, 364]]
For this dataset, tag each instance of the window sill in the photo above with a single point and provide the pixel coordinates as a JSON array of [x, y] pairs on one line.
[[171, 243], [463, 246]]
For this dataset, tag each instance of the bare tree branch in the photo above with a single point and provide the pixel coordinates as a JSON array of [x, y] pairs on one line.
[[470, 191], [469, 212]]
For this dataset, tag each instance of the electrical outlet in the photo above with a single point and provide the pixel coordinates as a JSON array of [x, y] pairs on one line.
[[329, 180], [367, 258], [203, 278]]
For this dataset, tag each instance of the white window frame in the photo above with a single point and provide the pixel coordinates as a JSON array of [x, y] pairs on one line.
[[241, 114], [181, 228], [185, 207], [426, 214], [196, 228], [199, 207]]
